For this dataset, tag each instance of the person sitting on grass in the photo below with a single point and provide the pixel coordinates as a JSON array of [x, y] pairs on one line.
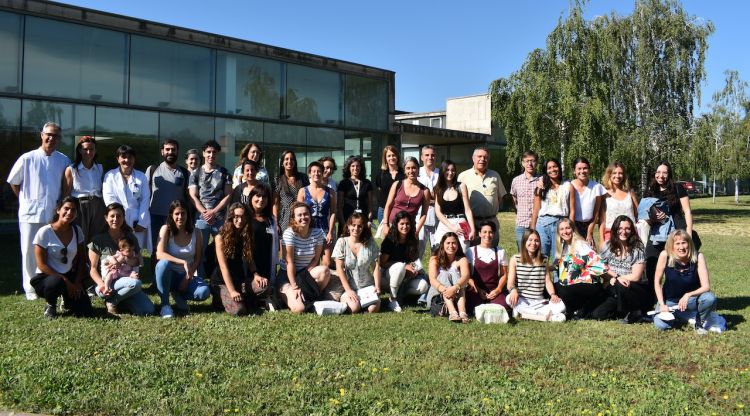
[[355, 253], [400, 261], [528, 277], [686, 289], [124, 263], [489, 275], [302, 279], [449, 275], [179, 252], [59, 249]]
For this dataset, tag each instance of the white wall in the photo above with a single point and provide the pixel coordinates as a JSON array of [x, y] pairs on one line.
[[469, 114]]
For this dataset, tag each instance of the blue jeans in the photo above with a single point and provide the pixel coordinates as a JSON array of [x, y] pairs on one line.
[[381, 212], [546, 226], [698, 308], [519, 235], [207, 230], [128, 295], [168, 281], [156, 222]]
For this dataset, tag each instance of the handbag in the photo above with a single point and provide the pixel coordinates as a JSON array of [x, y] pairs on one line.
[[437, 306]]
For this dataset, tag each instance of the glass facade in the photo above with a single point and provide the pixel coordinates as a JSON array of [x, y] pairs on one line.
[[131, 89]]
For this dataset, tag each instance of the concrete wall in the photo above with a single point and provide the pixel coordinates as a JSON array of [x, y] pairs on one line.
[[472, 114]]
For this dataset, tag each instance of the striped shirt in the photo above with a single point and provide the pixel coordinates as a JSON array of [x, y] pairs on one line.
[[530, 279], [304, 248]]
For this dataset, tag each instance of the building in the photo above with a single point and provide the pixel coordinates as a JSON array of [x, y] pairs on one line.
[[127, 80]]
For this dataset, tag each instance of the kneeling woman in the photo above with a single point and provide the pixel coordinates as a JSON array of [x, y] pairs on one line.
[[449, 276], [399, 261], [59, 248], [179, 253], [625, 281], [579, 271], [489, 275], [355, 252], [687, 288], [528, 277], [239, 284], [301, 279]]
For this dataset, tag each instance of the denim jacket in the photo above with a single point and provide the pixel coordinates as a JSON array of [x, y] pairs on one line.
[[658, 233]]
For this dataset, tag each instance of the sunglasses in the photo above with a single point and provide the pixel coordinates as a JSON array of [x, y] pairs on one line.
[[64, 253]]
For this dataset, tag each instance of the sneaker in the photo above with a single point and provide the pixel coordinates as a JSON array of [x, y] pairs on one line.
[[50, 312], [91, 291], [394, 306], [31, 296], [166, 312], [557, 317], [699, 329], [112, 309]]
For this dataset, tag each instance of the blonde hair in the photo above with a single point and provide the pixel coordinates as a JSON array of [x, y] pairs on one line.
[[576, 237], [384, 163], [672, 257], [607, 178]]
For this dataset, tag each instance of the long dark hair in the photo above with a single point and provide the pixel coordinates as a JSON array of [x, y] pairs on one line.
[[170, 220], [282, 179], [79, 158], [442, 184], [231, 236], [546, 180], [347, 173], [442, 256], [60, 203], [264, 190], [412, 243], [669, 186], [125, 228], [633, 242], [526, 257], [366, 235]]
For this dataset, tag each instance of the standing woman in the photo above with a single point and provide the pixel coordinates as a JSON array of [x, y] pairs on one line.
[[83, 181], [249, 152], [60, 250], [399, 258], [390, 172], [625, 282], [553, 201], [677, 203], [192, 160], [449, 275], [322, 202], [286, 187], [489, 274], [579, 272], [619, 200], [329, 166], [126, 293], [686, 283], [527, 280], [587, 200], [179, 252], [241, 192], [129, 187], [301, 279], [354, 191], [356, 252], [408, 195], [452, 206], [240, 286], [265, 232]]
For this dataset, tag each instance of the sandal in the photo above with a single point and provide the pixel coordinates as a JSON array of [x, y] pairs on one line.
[[464, 317], [453, 317]]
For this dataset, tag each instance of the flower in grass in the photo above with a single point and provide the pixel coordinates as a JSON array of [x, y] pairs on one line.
[[579, 390], [198, 375], [386, 369], [725, 397], [361, 363], [226, 410], [740, 405], [486, 399], [334, 402], [236, 410], [374, 370], [342, 392]]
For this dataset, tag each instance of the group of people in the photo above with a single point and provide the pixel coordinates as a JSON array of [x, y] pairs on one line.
[[299, 238]]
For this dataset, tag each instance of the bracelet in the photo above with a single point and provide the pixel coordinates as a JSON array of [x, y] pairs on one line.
[[512, 289]]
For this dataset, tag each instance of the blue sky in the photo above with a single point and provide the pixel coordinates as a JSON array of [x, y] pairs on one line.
[[437, 49]]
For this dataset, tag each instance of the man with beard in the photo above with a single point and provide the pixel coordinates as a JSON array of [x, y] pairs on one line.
[[168, 182]]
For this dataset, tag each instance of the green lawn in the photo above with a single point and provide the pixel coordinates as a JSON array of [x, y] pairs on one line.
[[386, 363]]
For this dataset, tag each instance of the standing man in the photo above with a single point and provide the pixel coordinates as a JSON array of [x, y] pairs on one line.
[[522, 190], [428, 176], [486, 190], [168, 182], [36, 179]]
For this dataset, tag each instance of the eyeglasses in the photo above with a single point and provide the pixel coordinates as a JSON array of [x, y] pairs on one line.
[[64, 253]]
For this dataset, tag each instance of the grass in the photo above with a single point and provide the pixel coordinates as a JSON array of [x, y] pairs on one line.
[[386, 363]]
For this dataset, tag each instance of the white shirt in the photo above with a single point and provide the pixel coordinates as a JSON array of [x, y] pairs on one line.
[[556, 201], [134, 197], [429, 182], [86, 182], [586, 201], [48, 240], [487, 255], [40, 178]]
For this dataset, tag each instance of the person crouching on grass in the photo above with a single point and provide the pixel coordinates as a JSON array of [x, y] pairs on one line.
[[449, 275]]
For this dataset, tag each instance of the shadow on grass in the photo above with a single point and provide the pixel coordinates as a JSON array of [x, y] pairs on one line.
[[736, 303], [717, 215], [733, 321]]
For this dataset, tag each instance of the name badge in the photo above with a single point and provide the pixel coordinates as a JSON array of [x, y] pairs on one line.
[[358, 211], [269, 230]]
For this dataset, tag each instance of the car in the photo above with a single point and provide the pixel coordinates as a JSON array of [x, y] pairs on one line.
[[688, 186]]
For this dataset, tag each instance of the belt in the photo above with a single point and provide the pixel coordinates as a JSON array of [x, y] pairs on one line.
[[88, 198], [455, 216], [476, 218]]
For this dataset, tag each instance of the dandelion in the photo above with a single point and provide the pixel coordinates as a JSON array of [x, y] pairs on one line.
[[361, 363], [98, 369], [342, 392], [374, 370], [740, 406], [594, 374], [725, 397], [236, 410], [198, 375], [226, 410], [334, 402], [486, 399], [579, 390], [386, 369]]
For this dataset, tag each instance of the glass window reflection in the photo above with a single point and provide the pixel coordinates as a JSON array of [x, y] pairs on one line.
[[136, 128], [248, 86], [76, 120], [234, 135], [190, 131], [366, 103], [74, 61], [313, 95], [10, 148], [10, 44]]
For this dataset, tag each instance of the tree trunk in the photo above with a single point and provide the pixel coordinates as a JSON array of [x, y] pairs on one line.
[[737, 190], [713, 192]]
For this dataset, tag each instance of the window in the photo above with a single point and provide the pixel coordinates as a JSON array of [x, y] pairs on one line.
[[74, 61], [280, 137], [10, 147], [326, 142], [436, 122], [170, 75], [136, 128], [313, 95], [248, 86], [235, 134], [10, 44], [191, 131], [366, 103], [76, 120]]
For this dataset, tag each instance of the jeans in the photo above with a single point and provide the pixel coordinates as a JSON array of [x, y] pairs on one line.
[[51, 287], [156, 222], [168, 281], [546, 226], [128, 295], [207, 230], [698, 307], [381, 212], [519, 235]]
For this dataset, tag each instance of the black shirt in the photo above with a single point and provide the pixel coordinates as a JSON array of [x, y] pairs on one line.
[[675, 210], [262, 246], [351, 198], [396, 252], [383, 182]]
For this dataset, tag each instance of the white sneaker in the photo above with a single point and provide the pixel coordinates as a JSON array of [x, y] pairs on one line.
[[394, 306], [31, 296], [166, 312], [557, 317]]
